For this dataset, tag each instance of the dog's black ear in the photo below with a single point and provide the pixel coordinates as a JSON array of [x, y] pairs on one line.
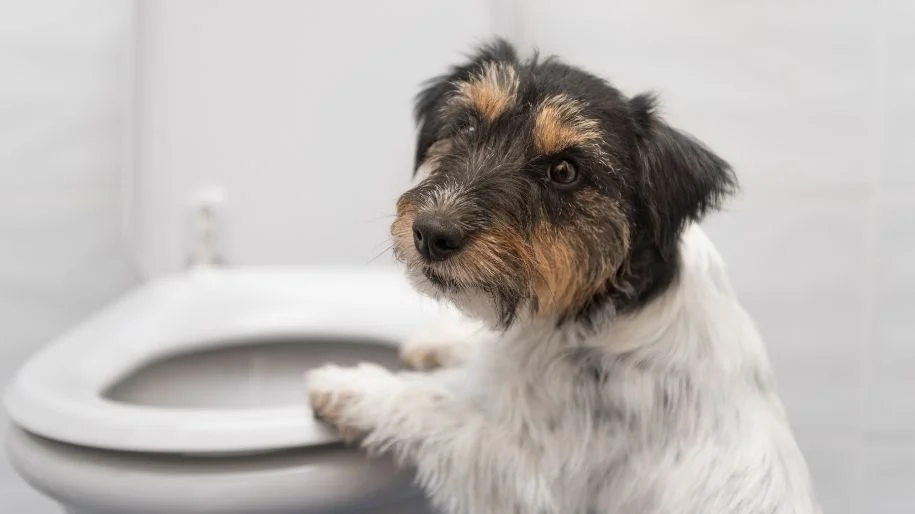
[[429, 124], [435, 91], [682, 179]]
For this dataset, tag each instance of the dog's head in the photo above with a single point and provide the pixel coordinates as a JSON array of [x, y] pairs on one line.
[[545, 192]]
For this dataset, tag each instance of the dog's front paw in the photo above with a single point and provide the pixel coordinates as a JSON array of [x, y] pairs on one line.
[[348, 397]]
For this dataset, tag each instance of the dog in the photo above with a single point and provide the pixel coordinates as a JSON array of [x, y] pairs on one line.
[[600, 362]]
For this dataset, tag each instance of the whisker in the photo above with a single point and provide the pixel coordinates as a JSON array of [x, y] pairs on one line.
[[380, 217], [387, 242], [387, 249]]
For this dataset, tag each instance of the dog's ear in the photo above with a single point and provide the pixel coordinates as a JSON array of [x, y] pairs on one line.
[[682, 179], [435, 92]]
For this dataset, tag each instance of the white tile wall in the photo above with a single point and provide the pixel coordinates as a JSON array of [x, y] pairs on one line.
[[892, 403], [888, 454], [305, 103], [63, 121], [834, 465], [899, 47], [887, 476]]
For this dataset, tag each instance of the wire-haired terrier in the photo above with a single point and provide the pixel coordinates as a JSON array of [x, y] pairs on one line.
[[602, 364]]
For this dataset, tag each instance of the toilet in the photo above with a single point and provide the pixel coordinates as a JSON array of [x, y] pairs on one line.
[[188, 396]]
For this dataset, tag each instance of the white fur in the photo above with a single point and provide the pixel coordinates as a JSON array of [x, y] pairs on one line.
[[665, 411]]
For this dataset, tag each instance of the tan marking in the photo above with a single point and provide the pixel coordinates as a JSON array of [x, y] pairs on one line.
[[432, 355], [402, 230], [492, 91], [439, 148], [549, 260], [422, 357], [558, 281], [490, 256], [434, 154], [560, 125], [563, 276], [607, 221]]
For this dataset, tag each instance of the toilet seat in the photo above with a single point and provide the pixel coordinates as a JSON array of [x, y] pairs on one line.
[[59, 393]]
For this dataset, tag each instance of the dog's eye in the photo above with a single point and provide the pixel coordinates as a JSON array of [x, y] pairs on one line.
[[563, 173]]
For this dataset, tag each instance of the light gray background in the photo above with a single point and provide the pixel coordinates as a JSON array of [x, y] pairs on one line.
[[112, 116]]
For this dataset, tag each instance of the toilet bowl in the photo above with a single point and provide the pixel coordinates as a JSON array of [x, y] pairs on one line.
[[188, 395]]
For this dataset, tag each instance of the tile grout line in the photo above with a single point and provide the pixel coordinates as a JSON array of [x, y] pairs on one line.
[[867, 347]]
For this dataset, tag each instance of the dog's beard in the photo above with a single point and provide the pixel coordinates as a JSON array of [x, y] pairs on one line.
[[441, 281], [438, 282], [491, 304]]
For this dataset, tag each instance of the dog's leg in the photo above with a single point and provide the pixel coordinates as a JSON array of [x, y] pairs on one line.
[[463, 461], [448, 342]]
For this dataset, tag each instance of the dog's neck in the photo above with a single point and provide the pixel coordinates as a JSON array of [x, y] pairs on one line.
[[680, 284], [646, 274], [693, 327]]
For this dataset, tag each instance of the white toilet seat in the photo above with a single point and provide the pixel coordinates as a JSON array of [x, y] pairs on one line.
[[59, 393]]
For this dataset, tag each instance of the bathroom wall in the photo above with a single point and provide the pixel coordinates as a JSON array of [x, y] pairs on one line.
[[64, 125], [299, 111], [811, 101]]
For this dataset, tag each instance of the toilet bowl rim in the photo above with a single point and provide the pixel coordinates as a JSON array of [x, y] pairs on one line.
[[56, 394], [114, 481]]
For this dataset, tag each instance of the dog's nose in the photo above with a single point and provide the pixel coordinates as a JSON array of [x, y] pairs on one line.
[[436, 238]]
